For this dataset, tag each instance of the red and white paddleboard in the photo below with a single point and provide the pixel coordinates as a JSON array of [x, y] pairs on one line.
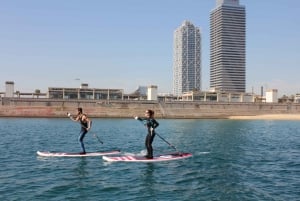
[[159, 158], [64, 154]]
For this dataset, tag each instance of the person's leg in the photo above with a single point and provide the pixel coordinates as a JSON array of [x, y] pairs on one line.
[[149, 140], [147, 145], [151, 148], [80, 139]]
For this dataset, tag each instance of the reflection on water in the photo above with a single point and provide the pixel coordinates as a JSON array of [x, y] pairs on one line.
[[81, 170], [148, 181]]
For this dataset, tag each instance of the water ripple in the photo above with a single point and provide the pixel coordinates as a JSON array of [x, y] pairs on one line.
[[232, 160]]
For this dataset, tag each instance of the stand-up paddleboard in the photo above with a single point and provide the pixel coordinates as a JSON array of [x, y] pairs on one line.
[[64, 154], [159, 158]]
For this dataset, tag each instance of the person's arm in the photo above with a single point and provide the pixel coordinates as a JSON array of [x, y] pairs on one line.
[[143, 120], [155, 124], [139, 118], [72, 117], [89, 123]]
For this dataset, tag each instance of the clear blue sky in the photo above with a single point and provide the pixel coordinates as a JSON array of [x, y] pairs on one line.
[[127, 43]]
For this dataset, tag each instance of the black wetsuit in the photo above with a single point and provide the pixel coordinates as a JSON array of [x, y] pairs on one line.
[[149, 123]]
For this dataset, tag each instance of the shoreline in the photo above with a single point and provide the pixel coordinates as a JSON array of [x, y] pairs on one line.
[[268, 117]]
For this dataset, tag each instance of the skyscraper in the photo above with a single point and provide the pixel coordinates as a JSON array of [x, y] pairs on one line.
[[186, 59], [228, 46]]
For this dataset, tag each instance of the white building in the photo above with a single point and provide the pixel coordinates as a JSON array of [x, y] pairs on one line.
[[297, 98], [186, 59], [9, 89], [272, 96], [152, 92]]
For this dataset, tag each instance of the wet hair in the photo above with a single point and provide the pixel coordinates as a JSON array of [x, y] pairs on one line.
[[79, 109]]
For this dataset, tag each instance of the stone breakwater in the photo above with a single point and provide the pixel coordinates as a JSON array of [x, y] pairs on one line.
[[16, 107]]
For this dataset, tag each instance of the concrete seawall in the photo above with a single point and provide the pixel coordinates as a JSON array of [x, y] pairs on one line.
[[16, 107]]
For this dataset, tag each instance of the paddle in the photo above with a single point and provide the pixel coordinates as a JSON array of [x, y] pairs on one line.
[[167, 142], [98, 138], [94, 135]]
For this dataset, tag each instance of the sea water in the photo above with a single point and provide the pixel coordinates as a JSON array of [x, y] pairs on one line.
[[232, 160]]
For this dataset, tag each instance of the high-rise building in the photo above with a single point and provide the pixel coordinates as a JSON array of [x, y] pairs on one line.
[[186, 59], [228, 46]]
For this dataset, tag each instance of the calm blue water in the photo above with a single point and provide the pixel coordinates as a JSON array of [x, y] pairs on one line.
[[233, 160]]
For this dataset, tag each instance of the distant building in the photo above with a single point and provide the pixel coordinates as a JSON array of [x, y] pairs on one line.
[[297, 98], [85, 93], [186, 59], [9, 88], [152, 92], [272, 96], [142, 90], [213, 96], [84, 86], [228, 46], [139, 94]]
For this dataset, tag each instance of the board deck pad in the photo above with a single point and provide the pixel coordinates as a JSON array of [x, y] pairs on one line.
[[65, 154], [159, 158]]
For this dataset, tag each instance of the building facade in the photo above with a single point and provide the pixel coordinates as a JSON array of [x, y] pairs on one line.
[[186, 59], [85, 93], [272, 96], [228, 46], [9, 88], [152, 92]]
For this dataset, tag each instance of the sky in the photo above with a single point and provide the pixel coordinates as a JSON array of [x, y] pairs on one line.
[[123, 44]]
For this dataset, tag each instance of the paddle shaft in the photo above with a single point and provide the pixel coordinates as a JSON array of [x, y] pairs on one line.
[[166, 141], [98, 138], [94, 135]]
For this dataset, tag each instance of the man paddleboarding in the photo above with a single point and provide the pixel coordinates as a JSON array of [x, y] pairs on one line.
[[150, 124], [85, 123]]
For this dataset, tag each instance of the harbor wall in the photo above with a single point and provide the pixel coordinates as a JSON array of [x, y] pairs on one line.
[[27, 107]]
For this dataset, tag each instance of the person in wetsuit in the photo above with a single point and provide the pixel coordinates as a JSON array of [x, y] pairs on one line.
[[150, 124], [85, 123]]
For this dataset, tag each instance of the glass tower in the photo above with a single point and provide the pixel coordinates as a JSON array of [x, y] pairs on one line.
[[186, 59], [228, 46]]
